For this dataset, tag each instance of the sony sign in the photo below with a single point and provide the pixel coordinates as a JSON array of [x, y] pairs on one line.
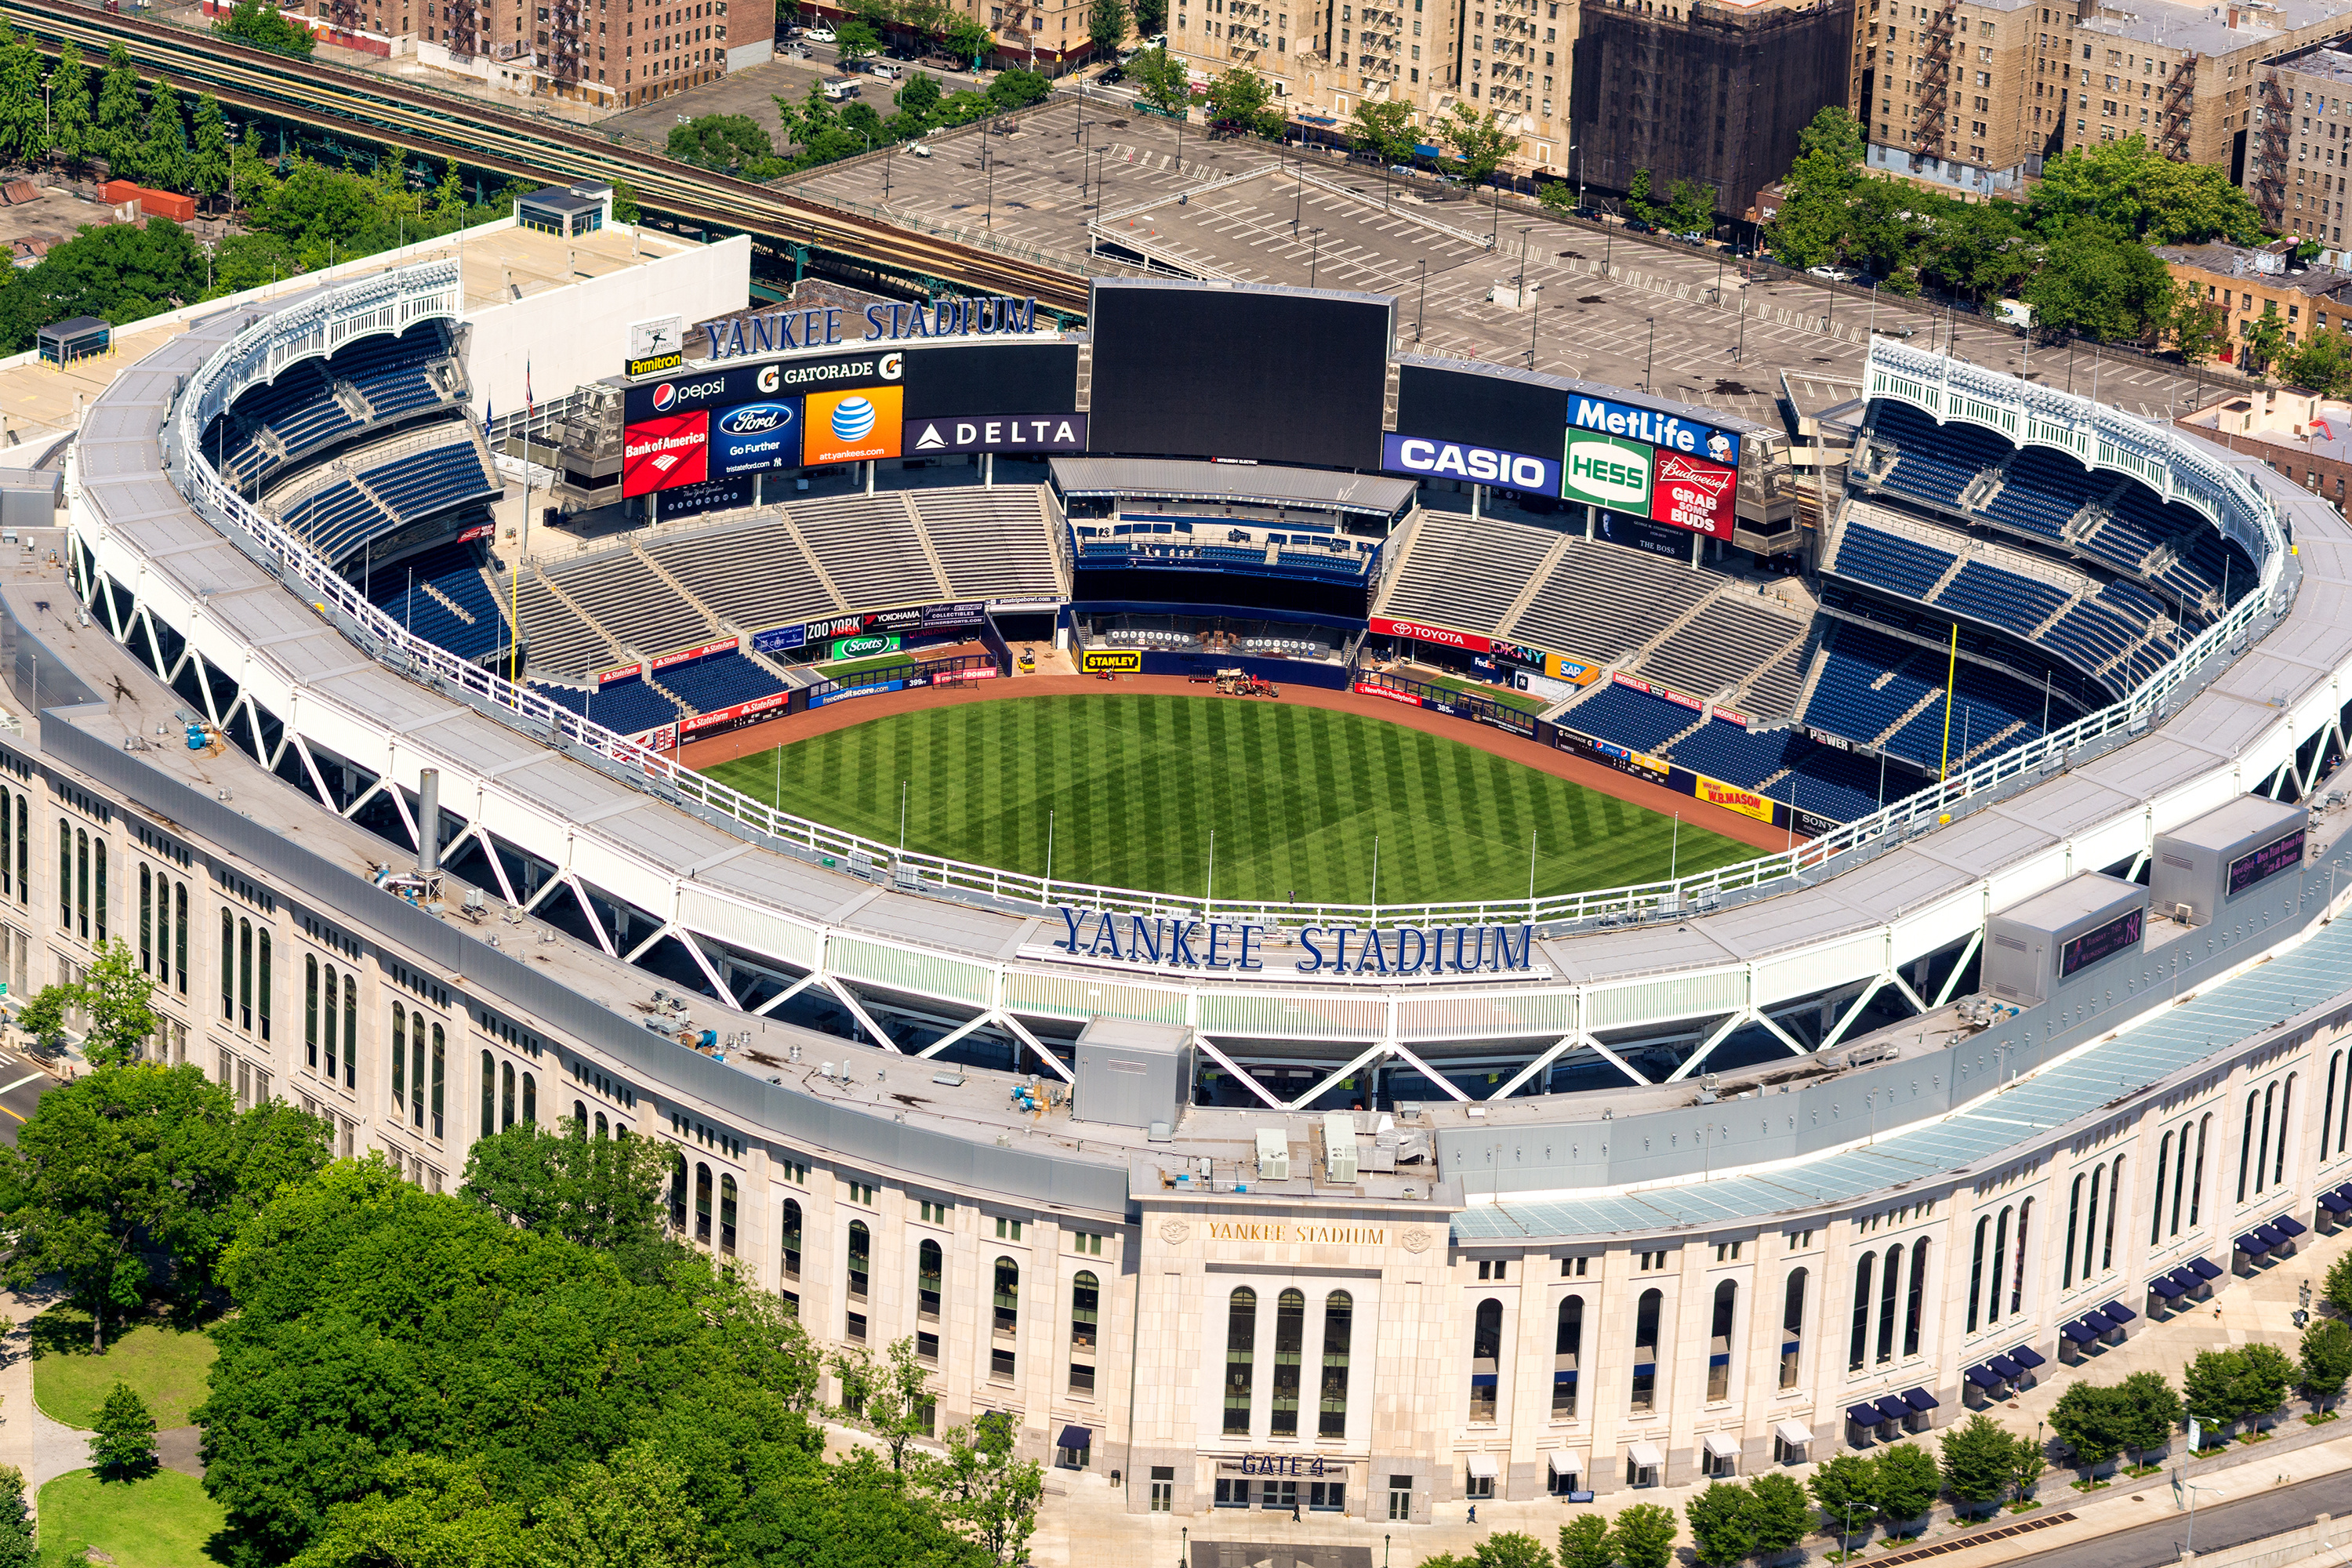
[[1474, 464], [1236, 945]]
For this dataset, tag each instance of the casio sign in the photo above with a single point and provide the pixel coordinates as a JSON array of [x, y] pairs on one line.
[[1476, 465]]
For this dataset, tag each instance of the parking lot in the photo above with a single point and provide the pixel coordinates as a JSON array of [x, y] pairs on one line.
[[1584, 301]]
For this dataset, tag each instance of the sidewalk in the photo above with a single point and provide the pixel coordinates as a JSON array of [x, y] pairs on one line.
[[1084, 1518]]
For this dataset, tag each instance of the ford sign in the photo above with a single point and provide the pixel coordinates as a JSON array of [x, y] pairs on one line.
[[1474, 464], [751, 436], [755, 419]]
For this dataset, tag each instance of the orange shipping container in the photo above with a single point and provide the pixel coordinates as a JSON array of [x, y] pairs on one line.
[[152, 204]]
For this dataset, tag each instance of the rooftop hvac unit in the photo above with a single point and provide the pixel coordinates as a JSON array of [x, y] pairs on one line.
[[1339, 1146], [1273, 1155]]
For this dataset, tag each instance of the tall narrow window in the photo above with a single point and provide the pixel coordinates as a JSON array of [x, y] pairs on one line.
[[2247, 1162], [310, 1003], [1339, 1326], [861, 1251], [1240, 1358], [228, 966], [489, 1123], [81, 882], [529, 1098], [1792, 1327], [180, 936], [399, 1061], [792, 1238], [2115, 1208], [2197, 1192], [147, 916], [2285, 1120], [245, 975], [702, 1205], [440, 1074], [329, 1021], [2163, 1170], [352, 1034], [1002, 1357], [1915, 1309], [1289, 1348], [1976, 1274], [1887, 1297], [1085, 1294], [24, 853], [930, 1263], [98, 890], [1858, 1351], [506, 1094], [2328, 1104], [1567, 1351], [1486, 1358], [1645, 1349], [2262, 1150], [65, 877], [416, 1070], [2091, 1221], [725, 1204], [677, 1195], [261, 982], [1999, 1267], [1718, 1342], [2344, 1114]]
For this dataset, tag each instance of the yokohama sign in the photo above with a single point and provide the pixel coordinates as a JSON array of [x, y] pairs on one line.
[[1444, 637]]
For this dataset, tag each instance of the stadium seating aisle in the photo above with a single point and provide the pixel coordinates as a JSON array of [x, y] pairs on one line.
[[718, 682], [868, 546], [1629, 717], [2004, 598], [1467, 574], [1868, 680], [403, 590], [1603, 601], [632, 606], [1725, 645], [710, 563], [992, 542]]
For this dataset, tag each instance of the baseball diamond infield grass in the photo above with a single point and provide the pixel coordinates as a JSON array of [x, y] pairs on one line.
[[1296, 798]]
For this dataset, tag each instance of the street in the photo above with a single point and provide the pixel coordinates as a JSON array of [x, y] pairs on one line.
[[2163, 1539]]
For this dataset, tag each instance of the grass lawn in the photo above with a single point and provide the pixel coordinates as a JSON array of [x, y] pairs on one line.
[[1296, 796], [160, 1522], [167, 1367]]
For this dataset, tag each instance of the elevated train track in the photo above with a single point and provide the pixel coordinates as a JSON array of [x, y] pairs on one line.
[[445, 126]]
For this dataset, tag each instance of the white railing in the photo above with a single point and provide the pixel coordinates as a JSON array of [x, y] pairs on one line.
[[427, 291], [318, 327]]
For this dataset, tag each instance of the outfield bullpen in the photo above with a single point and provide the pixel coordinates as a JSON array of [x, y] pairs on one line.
[[1129, 788]]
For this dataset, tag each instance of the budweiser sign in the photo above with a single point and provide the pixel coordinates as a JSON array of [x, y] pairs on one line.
[[1692, 494]]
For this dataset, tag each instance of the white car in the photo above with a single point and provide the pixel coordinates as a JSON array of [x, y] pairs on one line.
[[1834, 274], [818, 35]]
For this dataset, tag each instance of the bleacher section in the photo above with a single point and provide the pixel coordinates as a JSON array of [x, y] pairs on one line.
[[1630, 717], [377, 495], [626, 706], [442, 596], [630, 603], [1465, 574], [1605, 601], [1779, 762], [1722, 647], [869, 548], [992, 542], [2005, 599], [754, 574], [1900, 565], [555, 636], [721, 680], [1868, 683]]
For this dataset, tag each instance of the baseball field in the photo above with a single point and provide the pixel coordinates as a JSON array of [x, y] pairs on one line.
[[1129, 790]]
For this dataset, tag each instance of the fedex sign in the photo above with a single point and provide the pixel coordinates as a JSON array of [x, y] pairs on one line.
[[1476, 465]]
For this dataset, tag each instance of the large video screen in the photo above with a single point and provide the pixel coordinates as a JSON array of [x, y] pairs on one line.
[[1481, 408], [1187, 370], [981, 379]]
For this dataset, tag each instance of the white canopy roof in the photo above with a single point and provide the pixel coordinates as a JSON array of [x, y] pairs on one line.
[[1564, 1463], [1796, 1434], [1723, 1445], [1645, 1454], [1482, 1466]]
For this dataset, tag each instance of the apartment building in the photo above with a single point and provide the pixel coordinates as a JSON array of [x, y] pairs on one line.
[[2243, 285], [2300, 153], [611, 54], [1972, 97]]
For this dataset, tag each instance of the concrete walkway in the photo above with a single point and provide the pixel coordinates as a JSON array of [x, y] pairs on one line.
[[1084, 1520]]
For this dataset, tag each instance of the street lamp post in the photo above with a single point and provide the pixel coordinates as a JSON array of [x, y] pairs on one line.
[[1650, 356], [1314, 256], [1421, 309]]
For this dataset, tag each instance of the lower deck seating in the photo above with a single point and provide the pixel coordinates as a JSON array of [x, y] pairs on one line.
[[718, 682], [1630, 717], [626, 706], [419, 590]]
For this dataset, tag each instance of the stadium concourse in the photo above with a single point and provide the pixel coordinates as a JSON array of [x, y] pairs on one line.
[[1368, 1211]]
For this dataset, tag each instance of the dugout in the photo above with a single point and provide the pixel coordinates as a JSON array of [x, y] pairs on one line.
[[2199, 867], [2060, 936]]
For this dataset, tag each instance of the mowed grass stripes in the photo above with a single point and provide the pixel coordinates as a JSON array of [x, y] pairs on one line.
[[1296, 798]]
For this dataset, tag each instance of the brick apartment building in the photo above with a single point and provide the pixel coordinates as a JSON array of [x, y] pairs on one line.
[[2307, 440], [2244, 285]]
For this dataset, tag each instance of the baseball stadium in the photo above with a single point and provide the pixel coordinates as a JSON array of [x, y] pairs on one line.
[[1326, 927]]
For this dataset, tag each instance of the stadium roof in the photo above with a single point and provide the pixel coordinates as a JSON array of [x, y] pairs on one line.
[[1171, 479]]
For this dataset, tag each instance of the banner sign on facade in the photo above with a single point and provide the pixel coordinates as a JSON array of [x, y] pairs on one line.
[[1110, 661]]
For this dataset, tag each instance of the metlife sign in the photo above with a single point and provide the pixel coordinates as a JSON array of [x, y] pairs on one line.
[[1474, 464], [1667, 431]]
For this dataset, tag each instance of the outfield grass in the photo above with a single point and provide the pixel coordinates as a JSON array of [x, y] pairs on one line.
[[161, 1520], [166, 1367], [1296, 798]]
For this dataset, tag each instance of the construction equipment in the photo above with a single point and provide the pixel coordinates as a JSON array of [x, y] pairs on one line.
[[1242, 683]]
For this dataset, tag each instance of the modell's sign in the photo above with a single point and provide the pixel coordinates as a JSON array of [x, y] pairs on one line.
[[1689, 492]]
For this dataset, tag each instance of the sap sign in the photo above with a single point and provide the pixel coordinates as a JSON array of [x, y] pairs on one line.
[[1337, 949], [1474, 465], [1669, 431], [1608, 472]]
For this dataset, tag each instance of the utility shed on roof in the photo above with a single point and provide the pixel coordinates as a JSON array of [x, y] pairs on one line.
[[2201, 865], [2058, 935], [1132, 1074]]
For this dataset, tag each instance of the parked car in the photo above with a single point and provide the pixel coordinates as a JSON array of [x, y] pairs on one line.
[[1585, 212], [921, 149], [1635, 225], [819, 34], [839, 89], [1833, 274]]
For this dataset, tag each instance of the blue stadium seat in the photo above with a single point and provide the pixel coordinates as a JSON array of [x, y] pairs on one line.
[[1629, 717], [626, 706], [399, 588], [1868, 680], [1890, 561], [1733, 752], [2001, 598], [1935, 462], [718, 682]]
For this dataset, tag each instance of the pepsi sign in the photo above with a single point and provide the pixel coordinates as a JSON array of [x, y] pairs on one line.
[[751, 436], [1428, 458]]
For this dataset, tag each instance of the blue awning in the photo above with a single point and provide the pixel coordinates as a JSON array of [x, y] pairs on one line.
[[2009, 1369], [2289, 1224], [1316, 120], [2166, 1286], [2081, 1334], [2336, 1203], [1892, 1409], [2099, 1322], [1983, 1377], [2344, 1191], [2205, 1268], [1863, 1416], [1076, 1437], [2187, 1278], [2027, 1357], [1919, 1399], [2253, 1245], [2118, 1311], [2271, 1236]]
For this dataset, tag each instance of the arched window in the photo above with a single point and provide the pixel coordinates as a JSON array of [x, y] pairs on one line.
[[2246, 1163], [2197, 1192], [791, 1238], [1718, 1342], [2091, 1220], [1289, 1348], [1008, 1296], [677, 1195], [2344, 1115], [1085, 1294], [147, 910], [1915, 1308], [1858, 1351], [529, 1098], [1567, 1349], [2285, 1120], [702, 1204], [440, 1050], [245, 973], [1999, 1267], [1339, 1327], [399, 1061], [506, 1091], [930, 1264], [65, 878], [329, 1021], [2115, 1208], [861, 1247], [2163, 1170], [580, 1119], [1240, 1358], [81, 885], [416, 1070], [1976, 1273], [2263, 1148], [489, 1123], [603, 1128], [310, 991], [1792, 1327], [350, 1025], [2327, 1105], [1486, 1356], [726, 1205], [229, 963], [1645, 1349], [98, 895], [1888, 1296]]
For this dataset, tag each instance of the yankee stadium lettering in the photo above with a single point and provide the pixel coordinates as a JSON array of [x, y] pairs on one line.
[[1338, 950]]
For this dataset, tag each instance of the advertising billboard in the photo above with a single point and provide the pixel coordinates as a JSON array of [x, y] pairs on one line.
[[861, 646], [1111, 660], [1692, 493], [1732, 797], [659, 453], [1607, 471], [997, 433], [753, 437], [1653, 427], [1496, 408], [852, 427], [1423, 631], [730, 494], [1424, 457], [724, 388], [1005, 378]]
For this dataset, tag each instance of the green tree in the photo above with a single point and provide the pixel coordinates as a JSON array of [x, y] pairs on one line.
[[1477, 139], [1018, 87], [2259, 349], [208, 158], [1978, 249], [1584, 1542], [69, 103], [1977, 1459], [2196, 327], [1511, 1549], [634, 1511], [2093, 1420], [1846, 1488], [132, 1162], [1721, 1532], [1811, 226], [2324, 1362], [2098, 283], [896, 1400], [624, 201], [1241, 101], [266, 28], [1164, 81], [423, 1509], [24, 127], [854, 41], [968, 40], [164, 152], [1555, 196], [2208, 1388], [1777, 1515], [601, 1192], [2266, 1374], [1384, 129], [2131, 188], [985, 1493], [719, 141], [2026, 1464], [112, 996], [919, 101], [1638, 204], [1907, 1483], [2322, 364], [1151, 19], [1693, 211], [122, 1443], [17, 1546], [117, 131], [2336, 1289], [2151, 1411], [1643, 1536], [1106, 27]]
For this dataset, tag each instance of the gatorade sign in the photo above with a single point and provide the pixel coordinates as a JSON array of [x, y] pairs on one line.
[[1607, 471]]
